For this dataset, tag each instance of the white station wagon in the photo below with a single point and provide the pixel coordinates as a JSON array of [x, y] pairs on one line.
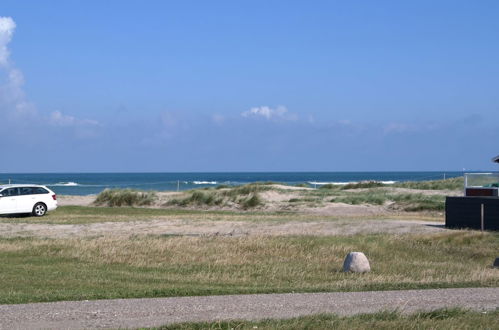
[[26, 198]]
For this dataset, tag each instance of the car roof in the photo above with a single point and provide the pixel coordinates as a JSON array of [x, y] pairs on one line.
[[3, 186]]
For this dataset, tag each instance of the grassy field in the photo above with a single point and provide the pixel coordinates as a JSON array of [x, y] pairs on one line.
[[106, 266], [439, 319], [87, 215], [37, 269]]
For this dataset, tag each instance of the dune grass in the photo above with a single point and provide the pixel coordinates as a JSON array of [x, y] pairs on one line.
[[410, 202], [247, 196], [398, 201], [357, 185], [125, 197], [35, 270], [377, 193], [450, 318], [447, 184], [244, 197], [371, 192]]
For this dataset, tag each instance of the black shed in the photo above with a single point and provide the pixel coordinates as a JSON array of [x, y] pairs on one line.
[[479, 208]]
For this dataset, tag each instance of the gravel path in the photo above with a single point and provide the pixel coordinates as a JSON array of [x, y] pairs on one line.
[[133, 313]]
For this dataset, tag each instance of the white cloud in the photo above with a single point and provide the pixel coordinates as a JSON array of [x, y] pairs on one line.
[[13, 101], [57, 118], [7, 27], [12, 97], [281, 112]]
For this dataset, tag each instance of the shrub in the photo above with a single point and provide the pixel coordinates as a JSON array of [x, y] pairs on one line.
[[246, 196], [245, 190], [329, 186], [125, 197], [252, 201], [198, 197], [363, 184]]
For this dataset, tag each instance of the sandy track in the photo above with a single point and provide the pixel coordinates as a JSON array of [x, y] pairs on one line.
[[134, 313], [219, 228]]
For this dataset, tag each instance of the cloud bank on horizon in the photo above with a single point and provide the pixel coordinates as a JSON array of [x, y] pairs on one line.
[[280, 112], [249, 137]]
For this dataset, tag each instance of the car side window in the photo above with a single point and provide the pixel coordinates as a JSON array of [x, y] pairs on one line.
[[10, 192], [39, 190], [26, 190]]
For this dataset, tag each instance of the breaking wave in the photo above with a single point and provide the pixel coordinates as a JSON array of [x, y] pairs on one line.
[[65, 184]]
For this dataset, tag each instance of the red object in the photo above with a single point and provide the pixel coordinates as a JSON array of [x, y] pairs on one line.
[[481, 192], [54, 197]]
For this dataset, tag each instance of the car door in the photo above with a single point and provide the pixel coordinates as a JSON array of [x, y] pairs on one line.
[[26, 200], [8, 201]]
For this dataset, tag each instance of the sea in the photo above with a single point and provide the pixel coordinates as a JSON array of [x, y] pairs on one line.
[[94, 183]]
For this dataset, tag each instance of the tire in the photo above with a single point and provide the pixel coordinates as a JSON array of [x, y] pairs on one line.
[[39, 210]]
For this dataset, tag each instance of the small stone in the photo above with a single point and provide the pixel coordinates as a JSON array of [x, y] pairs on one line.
[[356, 262], [496, 263]]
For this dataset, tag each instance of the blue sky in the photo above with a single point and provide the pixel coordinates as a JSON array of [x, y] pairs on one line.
[[248, 85]]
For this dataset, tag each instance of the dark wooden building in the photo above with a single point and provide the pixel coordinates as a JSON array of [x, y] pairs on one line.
[[479, 207]]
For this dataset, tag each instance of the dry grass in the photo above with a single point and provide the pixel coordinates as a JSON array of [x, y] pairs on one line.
[[57, 269], [453, 318], [86, 215]]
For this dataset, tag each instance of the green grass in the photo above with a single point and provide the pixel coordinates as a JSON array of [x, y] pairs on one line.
[[125, 197], [402, 201], [36, 269], [447, 184], [453, 318]]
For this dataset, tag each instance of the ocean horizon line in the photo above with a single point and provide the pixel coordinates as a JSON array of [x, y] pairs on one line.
[[237, 172]]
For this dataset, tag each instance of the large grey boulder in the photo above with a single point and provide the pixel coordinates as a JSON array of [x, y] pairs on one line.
[[356, 262]]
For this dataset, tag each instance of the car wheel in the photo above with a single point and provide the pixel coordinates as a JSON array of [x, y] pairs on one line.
[[39, 209]]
